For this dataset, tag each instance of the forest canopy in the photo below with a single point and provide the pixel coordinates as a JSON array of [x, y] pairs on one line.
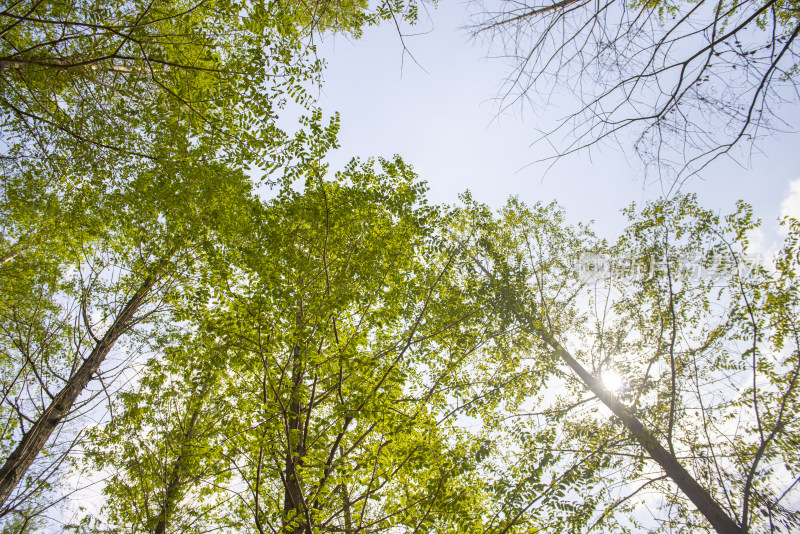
[[184, 349]]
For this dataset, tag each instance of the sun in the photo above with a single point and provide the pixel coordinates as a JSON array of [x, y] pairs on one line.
[[613, 381]]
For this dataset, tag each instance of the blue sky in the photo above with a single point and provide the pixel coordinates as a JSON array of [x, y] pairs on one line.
[[441, 117]]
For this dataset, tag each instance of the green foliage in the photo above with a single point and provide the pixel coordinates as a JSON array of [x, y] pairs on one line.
[[318, 335], [162, 451], [73, 268], [105, 88], [344, 356], [349, 16], [784, 12], [122, 126], [112, 85]]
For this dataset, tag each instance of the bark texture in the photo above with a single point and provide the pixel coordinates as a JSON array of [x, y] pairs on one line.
[[34, 440]]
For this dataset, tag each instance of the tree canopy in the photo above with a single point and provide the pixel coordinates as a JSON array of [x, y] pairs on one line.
[[701, 338], [185, 350]]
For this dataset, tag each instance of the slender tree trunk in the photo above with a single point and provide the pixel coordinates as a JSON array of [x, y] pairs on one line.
[[348, 513], [293, 498], [34, 440], [711, 510], [176, 475], [59, 64], [10, 256]]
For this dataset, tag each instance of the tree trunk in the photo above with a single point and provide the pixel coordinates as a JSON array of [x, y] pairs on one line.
[[34, 440], [292, 502], [711, 510], [348, 513], [177, 468]]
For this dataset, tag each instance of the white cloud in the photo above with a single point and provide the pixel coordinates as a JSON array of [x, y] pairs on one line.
[[757, 243], [790, 207]]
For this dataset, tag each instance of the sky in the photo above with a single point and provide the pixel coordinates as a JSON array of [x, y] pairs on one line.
[[438, 110]]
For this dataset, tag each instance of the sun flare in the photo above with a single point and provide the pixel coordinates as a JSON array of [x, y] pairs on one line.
[[613, 381]]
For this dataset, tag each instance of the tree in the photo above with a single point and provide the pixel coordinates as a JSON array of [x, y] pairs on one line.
[[688, 80], [323, 345], [123, 273], [114, 84], [705, 342]]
